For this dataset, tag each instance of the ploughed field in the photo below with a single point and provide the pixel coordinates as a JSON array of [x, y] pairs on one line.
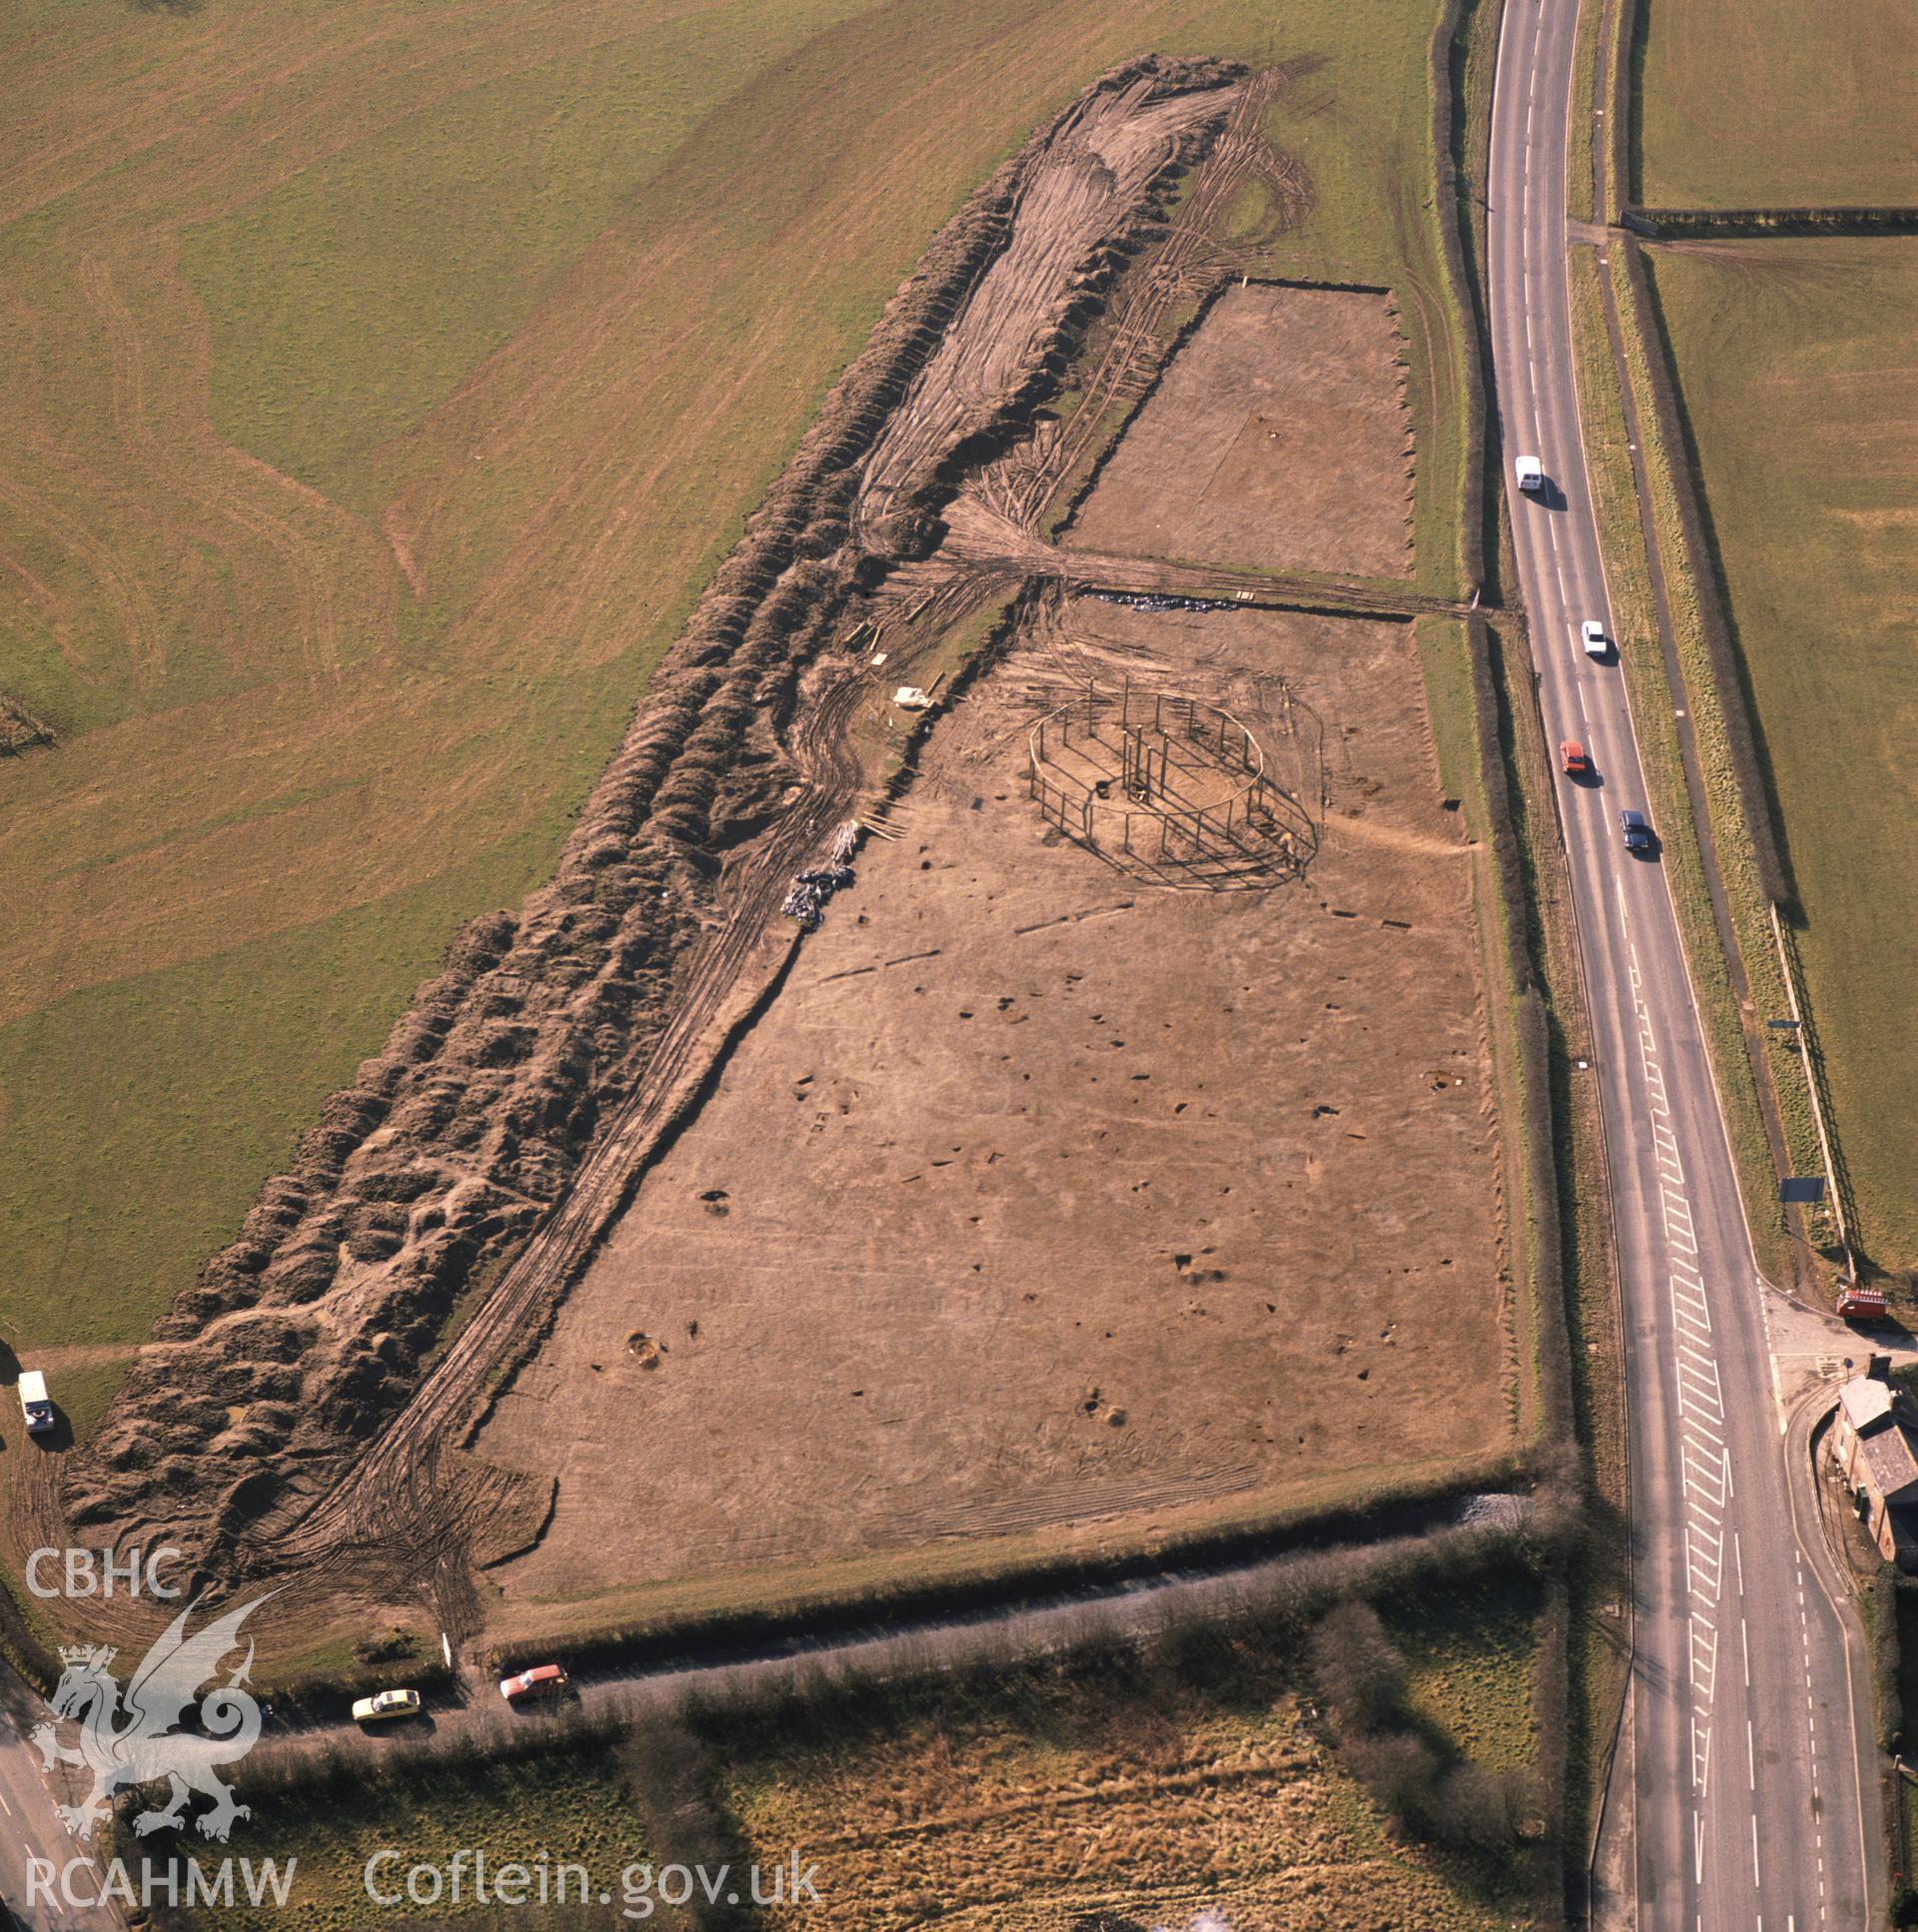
[[1045, 1194], [1119, 1159], [1276, 439]]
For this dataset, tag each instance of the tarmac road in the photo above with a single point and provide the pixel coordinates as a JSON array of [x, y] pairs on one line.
[[30, 1828], [1751, 1794]]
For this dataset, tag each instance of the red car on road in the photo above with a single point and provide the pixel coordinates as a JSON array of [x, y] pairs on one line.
[[542, 1680], [1571, 754]]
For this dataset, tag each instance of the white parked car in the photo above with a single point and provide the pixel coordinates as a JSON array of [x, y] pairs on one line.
[[1530, 474], [1592, 634]]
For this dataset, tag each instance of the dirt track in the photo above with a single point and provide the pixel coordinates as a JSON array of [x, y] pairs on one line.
[[302, 1416], [583, 1020]]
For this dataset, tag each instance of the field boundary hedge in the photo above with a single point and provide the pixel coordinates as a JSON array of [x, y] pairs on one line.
[[1701, 560], [1285, 1591], [20, 1648], [1393, 1509], [1703, 223], [1552, 1319], [1462, 293], [1533, 1026]]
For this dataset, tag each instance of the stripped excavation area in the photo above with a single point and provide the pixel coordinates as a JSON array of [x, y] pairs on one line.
[[1107, 1149]]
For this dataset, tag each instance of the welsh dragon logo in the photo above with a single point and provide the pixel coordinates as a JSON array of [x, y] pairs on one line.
[[132, 1738]]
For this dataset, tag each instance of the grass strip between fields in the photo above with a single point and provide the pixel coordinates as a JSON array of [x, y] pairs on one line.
[[1591, 41]]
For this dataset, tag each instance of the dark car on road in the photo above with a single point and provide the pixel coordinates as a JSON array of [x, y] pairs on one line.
[[1637, 830]]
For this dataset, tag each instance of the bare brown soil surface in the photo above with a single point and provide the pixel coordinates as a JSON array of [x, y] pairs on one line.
[[583, 1018], [1040, 1198], [536, 1269], [1104, 153], [1278, 438]]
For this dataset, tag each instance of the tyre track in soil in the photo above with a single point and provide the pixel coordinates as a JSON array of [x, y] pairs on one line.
[[402, 1503], [1125, 372], [212, 481], [408, 1506], [413, 1510]]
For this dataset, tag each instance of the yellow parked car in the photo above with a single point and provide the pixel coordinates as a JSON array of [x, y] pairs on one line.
[[386, 1704]]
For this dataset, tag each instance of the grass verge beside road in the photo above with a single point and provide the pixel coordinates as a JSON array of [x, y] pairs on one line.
[[1653, 703], [1597, 1648]]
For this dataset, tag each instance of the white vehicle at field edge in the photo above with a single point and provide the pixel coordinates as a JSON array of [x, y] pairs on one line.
[[35, 1404]]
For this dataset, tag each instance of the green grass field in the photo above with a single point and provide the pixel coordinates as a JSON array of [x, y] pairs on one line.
[[1027, 1792], [1762, 104], [1800, 381], [552, 1809], [384, 384]]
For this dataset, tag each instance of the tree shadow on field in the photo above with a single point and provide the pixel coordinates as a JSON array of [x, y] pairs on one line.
[[1481, 1822]]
